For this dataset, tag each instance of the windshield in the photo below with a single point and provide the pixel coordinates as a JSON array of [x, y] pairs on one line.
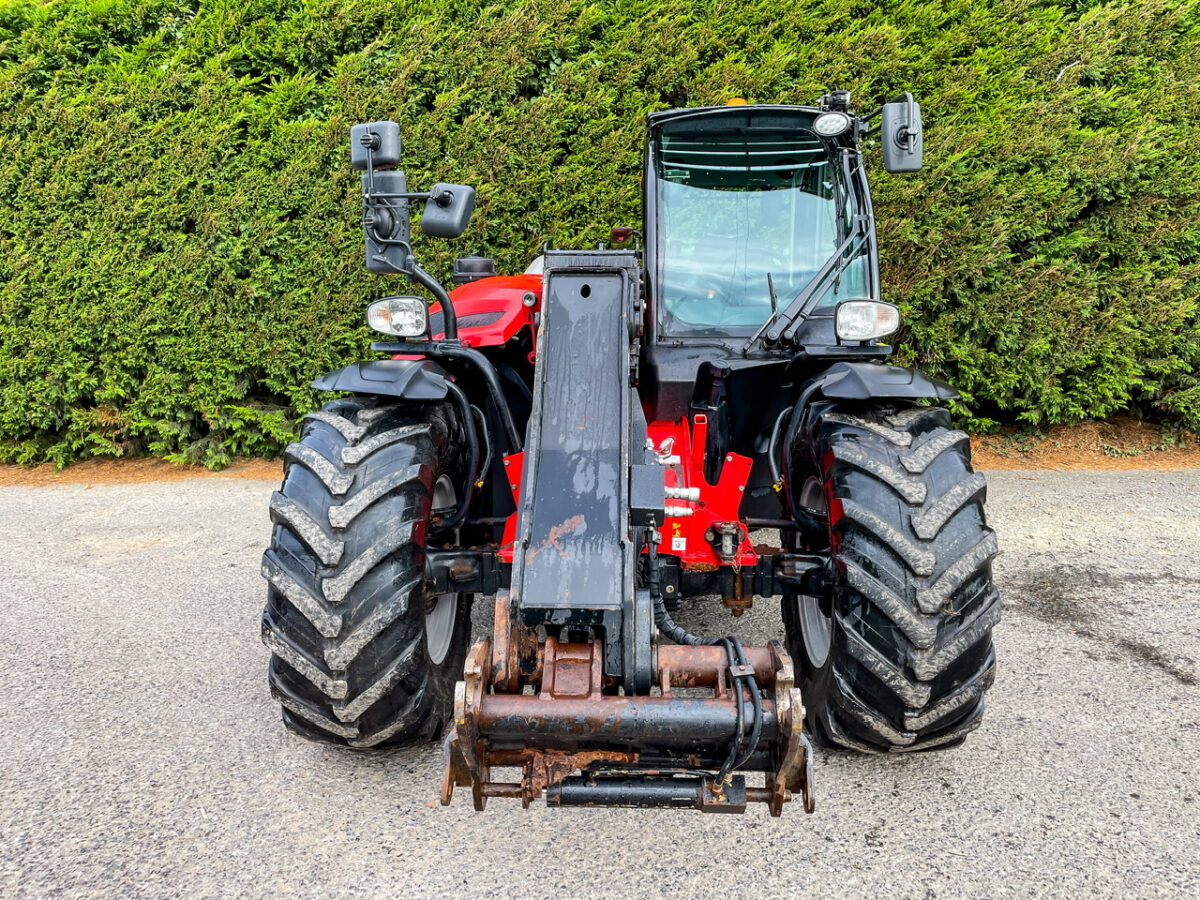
[[736, 206]]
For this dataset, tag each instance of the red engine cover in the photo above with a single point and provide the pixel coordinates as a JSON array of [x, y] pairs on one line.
[[491, 311]]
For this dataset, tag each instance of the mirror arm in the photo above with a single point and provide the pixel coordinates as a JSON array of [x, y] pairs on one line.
[[444, 199], [427, 281], [372, 194], [907, 97], [407, 196]]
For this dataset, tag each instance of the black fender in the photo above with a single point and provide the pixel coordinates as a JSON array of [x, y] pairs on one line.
[[846, 381], [409, 379], [866, 381], [419, 381]]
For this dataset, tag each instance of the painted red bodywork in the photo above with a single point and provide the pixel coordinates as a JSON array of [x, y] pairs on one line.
[[503, 293], [514, 468], [684, 536]]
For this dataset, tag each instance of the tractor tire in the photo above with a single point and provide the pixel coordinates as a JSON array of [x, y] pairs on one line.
[[361, 655], [898, 655]]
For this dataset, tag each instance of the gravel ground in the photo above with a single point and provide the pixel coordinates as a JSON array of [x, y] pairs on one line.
[[140, 755]]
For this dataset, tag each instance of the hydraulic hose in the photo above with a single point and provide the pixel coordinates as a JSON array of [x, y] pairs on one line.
[[676, 632], [662, 618], [487, 447], [755, 700], [735, 746], [790, 441], [473, 468], [776, 478], [739, 751]]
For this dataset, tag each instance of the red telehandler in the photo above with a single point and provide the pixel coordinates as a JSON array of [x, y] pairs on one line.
[[592, 442]]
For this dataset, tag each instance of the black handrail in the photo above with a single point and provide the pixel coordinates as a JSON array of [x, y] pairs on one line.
[[449, 318]]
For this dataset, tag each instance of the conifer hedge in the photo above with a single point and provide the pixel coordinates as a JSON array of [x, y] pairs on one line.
[[179, 248]]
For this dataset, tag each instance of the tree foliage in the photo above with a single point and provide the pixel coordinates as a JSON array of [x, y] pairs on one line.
[[179, 249]]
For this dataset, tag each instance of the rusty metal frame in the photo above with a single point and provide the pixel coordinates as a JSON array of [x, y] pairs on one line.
[[574, 723]]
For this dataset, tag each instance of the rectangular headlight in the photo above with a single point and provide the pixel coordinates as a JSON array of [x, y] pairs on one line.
[[405, 317], [865, 320]]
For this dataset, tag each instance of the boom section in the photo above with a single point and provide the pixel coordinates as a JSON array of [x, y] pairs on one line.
[[575, 560]]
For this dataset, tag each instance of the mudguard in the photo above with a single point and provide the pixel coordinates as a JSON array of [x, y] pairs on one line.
[[410, 379], [865, 381]]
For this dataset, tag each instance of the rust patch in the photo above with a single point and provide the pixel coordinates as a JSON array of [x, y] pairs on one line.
[[548, 767], [570, 526]]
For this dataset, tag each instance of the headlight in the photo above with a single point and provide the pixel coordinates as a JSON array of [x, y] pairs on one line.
[[865, 320], [831, 124], [405, 317]]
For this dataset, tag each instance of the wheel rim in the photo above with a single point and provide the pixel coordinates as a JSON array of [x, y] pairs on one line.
[[443, 610], [815, 626]]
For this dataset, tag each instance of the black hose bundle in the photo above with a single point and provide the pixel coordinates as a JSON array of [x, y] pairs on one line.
[[739, 666]]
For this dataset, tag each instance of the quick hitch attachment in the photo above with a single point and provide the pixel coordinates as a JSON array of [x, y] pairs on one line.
[[578, 745]]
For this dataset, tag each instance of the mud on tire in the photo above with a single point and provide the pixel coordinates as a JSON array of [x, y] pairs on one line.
[[346, 599], [908, 651]]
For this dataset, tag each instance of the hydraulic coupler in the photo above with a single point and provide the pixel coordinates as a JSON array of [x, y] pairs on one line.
[[688, 744]]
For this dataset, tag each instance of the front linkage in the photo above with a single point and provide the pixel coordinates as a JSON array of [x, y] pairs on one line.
[[574, 679], [647, 751]]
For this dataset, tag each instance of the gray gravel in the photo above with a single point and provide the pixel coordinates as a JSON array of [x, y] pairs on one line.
[[141, 756]]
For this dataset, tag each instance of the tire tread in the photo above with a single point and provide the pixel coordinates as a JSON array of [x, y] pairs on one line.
[[914, 606], [345, 612]]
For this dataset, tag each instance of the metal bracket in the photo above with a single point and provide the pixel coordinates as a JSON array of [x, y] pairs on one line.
[[794, 772], [465, 572], [465, 756]]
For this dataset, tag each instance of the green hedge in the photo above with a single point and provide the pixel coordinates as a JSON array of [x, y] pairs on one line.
[[179, 251]]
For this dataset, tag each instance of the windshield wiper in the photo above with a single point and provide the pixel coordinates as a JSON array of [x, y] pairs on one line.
[[782, 323], [771, 318]]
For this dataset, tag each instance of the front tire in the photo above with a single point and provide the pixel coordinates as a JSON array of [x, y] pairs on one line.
[[898, 656], [347, 607]]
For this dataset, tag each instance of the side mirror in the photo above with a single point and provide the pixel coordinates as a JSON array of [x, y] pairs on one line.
[[387, 229], [375, 145], [903, 139], [448, 210]]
